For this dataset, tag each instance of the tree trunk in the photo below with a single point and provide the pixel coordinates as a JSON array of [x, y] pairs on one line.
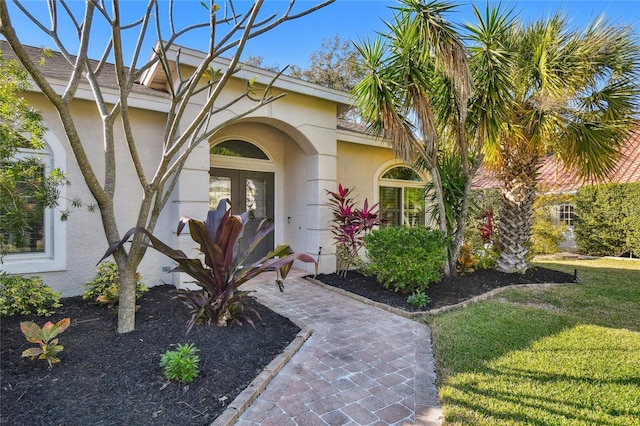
[[442, 221], [127, 299], [514, 227]]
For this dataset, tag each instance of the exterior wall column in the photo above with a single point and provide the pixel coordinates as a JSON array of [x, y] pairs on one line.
[[191, 198], [321, 176]]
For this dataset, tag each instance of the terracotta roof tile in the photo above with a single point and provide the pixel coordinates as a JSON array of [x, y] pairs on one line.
[[553, 177]]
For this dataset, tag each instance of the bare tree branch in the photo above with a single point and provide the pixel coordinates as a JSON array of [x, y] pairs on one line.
[[69, 14], [81, 59], [187, 123]]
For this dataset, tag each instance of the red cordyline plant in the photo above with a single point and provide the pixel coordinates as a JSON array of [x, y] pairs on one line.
[[486, 228], [224, 270], [350, 224]]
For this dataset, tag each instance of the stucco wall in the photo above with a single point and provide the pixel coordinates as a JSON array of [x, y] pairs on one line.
[[358, 166], [85, 240], [298, 132]]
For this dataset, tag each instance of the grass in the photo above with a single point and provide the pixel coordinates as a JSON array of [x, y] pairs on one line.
[[566, 355]]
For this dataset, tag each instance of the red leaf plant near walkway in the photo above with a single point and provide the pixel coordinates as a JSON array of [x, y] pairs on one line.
[[225, 269], [349, 225]]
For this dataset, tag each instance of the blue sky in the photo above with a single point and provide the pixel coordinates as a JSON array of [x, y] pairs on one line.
[[294, 41]]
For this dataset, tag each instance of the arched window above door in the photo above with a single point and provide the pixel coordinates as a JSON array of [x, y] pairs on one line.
[[402, 173], [401, 197], [238, 148]]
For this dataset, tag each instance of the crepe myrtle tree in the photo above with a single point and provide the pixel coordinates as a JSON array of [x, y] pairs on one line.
[[227, 31]]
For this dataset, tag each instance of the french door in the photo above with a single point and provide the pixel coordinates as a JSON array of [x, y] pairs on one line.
[[247, 191]]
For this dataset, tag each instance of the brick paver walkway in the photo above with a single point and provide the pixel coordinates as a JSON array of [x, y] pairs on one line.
[[361, 365]]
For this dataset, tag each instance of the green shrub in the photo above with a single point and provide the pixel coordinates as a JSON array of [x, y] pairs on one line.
[[546, 232], [26, 295], [181, 364], [104, 287], [607, 219], [419, 299], [406, 259], [486, 258]]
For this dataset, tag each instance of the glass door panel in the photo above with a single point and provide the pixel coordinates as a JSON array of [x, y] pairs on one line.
[[390, 205], [256, 197], [219, 188]]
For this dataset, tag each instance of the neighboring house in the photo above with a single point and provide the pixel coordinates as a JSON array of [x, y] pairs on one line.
[[555, 179], [278, 162]]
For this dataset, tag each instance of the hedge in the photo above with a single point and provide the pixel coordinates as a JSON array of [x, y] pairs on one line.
[[607, 219]]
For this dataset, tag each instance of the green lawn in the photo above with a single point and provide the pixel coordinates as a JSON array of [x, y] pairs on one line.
[[565, 355]]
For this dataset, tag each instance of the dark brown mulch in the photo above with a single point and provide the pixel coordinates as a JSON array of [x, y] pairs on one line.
[[109, 379], [449, 291]]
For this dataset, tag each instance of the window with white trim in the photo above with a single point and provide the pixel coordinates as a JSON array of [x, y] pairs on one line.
[[33, 240], [401, 199], [566, 214], [45, 248]]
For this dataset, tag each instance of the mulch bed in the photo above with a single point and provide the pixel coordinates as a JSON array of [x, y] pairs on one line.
[[449, 291], [106, 379], [109, 379]]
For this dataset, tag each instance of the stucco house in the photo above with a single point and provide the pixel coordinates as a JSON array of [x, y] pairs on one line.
[[277, 162]]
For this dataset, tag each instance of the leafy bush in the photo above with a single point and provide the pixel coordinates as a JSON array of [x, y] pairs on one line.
[[104, 287], [453, 182], [45, 337], [466, 262], [546, 232], [26, 295], [419, 299], [225, 269], [406, 259], [485, 209], [181, 364], [486, 258], [608, 219]]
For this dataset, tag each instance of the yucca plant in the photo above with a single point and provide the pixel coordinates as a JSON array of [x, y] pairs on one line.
[[225, 269]]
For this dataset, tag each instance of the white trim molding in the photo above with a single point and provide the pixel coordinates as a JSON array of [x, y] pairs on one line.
[[54, 258]]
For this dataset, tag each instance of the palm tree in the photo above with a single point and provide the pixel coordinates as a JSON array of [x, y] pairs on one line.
[[560, 90], [414, 73]]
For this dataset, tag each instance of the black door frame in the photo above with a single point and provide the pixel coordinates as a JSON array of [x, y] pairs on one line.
[[238, 204]]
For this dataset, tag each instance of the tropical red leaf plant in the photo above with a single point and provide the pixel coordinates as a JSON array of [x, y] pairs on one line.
[[46, 338], [225, 268], [349, 226], [486, 228]]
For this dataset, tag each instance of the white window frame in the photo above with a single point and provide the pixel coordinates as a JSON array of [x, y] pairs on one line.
[[399, 183], [54, 257], [563, 216]]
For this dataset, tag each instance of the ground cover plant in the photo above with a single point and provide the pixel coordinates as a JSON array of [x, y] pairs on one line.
[[103, 288], [566, 355], [108, 378]]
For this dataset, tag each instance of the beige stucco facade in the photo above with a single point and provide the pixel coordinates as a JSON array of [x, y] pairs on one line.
[[306, 152]]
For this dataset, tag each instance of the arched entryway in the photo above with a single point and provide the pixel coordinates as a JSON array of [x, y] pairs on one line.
[[247, 186]]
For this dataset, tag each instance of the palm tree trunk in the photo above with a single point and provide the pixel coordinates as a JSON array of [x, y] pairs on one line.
[[518, 192]]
